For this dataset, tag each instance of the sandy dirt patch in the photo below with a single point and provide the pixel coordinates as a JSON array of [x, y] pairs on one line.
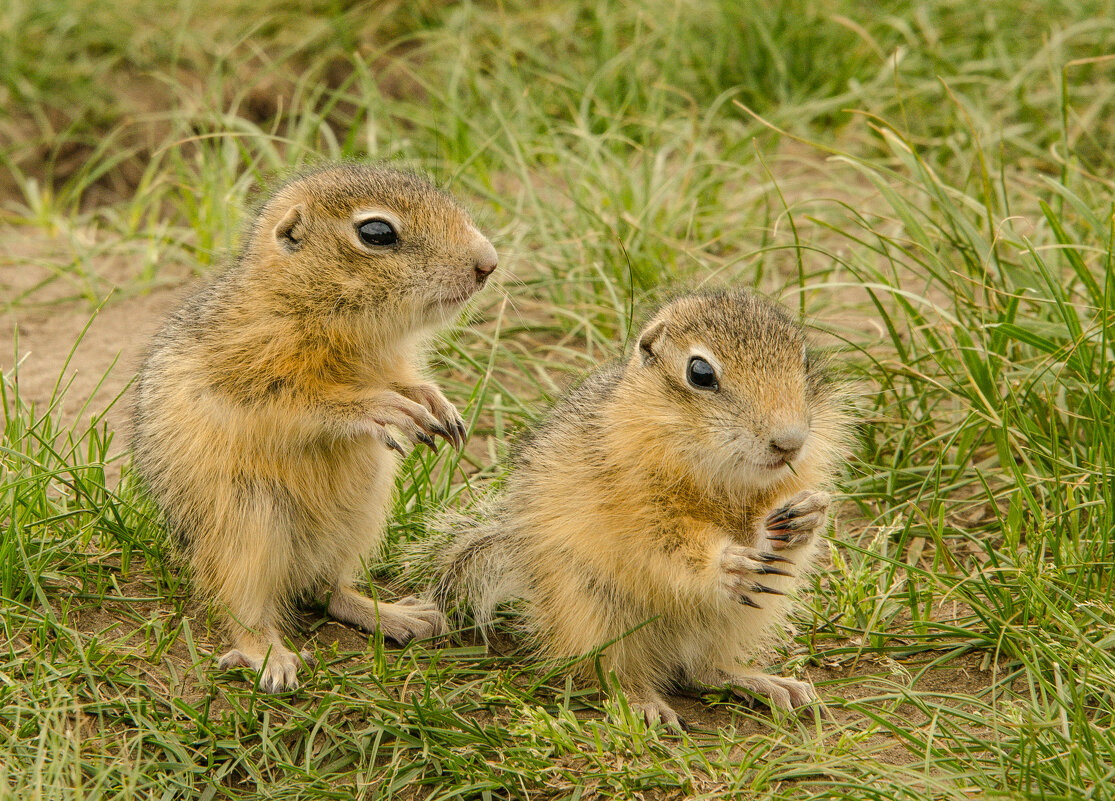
[[47, 304]]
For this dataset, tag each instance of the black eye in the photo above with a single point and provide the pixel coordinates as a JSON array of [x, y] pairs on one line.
[[700, 374], [377, 233]]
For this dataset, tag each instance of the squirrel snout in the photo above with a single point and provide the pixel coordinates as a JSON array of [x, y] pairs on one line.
[[485, 262], [787, 443]]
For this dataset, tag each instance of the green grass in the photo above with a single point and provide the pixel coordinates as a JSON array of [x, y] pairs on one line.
[[929, 182]]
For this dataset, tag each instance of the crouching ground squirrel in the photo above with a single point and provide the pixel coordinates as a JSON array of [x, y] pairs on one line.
[[272, 402], [667, 505]]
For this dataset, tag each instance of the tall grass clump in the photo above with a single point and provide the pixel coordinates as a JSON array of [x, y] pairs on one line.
[[986, 482], [61, 520]]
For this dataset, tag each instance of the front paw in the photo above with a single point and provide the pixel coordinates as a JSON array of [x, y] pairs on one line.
[[796, 523], [439, 406], [741, 571], [393, 410]]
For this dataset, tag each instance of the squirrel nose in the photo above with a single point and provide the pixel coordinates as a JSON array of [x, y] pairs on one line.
[[787, 444], [486, 261]]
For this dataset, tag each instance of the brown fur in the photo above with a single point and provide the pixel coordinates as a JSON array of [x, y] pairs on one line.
[[641, 498], [269, 405]]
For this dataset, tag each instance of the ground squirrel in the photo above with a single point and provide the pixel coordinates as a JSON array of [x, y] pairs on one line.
[[674, 498], [270, 403]]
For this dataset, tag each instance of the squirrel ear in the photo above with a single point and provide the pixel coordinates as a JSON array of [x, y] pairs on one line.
[[649, 339], [290, 230]]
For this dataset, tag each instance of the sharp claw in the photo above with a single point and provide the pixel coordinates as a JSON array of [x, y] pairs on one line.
[[779, 537], [442, 432], [395, 446], [743, 599], [426, 439], [462, 433], [232, 660], [783, 525], [766, 589], [773, 557], [787, 512], [773, 571], [682, 724]]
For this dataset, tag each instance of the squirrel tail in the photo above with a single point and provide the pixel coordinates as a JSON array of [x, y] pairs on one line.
[[464, 563]]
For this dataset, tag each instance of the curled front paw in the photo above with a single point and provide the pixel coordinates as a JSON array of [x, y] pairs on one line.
[[393, 411], [798, 521], [446, 413], [742, 570]]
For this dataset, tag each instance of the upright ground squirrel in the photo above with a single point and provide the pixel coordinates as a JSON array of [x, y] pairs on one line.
[[271, 402]]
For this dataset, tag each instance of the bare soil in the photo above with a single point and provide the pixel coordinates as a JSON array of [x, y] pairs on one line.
[[46, 308]]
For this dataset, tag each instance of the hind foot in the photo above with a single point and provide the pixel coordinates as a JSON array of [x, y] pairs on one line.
[[405, 620], [656, 711], [277, 667], [777, 691]]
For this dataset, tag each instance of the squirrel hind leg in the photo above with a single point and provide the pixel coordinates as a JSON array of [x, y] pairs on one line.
[[257, 643], [405, 620], [246, 564]]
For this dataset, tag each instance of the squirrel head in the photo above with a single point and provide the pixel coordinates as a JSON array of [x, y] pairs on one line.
[[732, 390], [354, 240]]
